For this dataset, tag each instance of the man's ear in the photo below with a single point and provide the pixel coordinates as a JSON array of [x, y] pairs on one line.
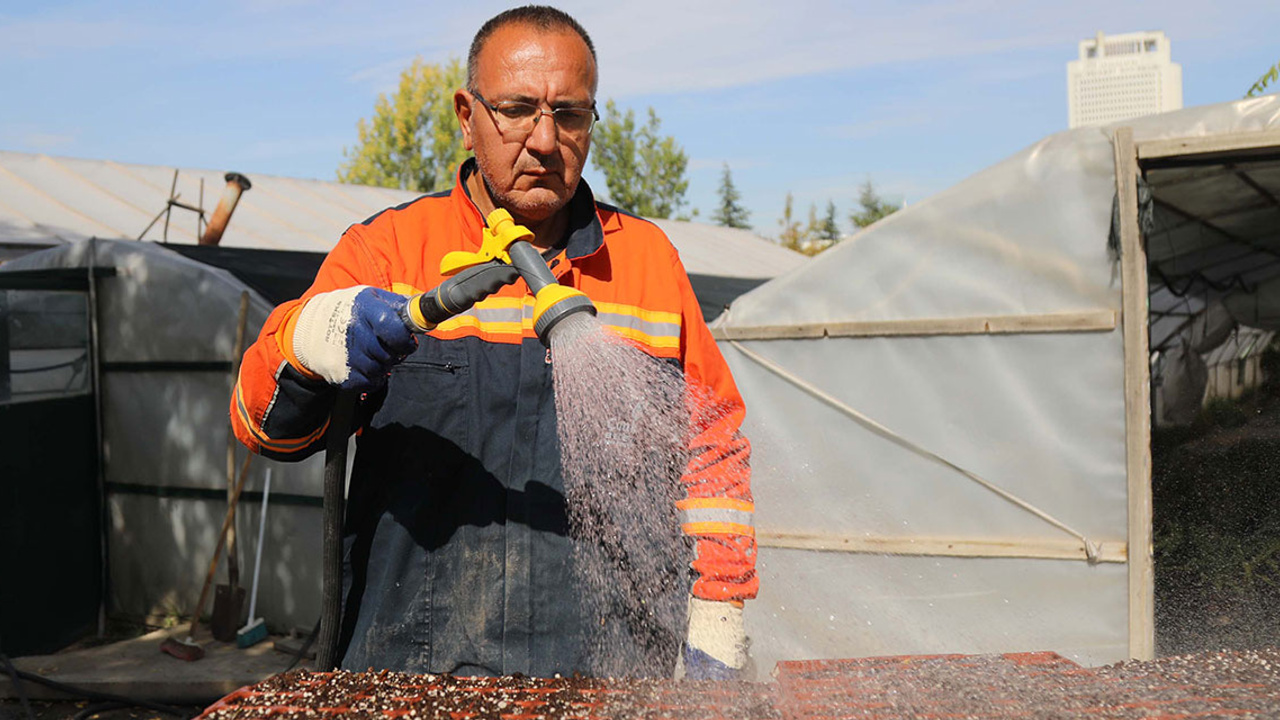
[[462, 108]]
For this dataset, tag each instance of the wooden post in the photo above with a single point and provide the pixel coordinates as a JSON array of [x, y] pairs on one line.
[[233, 560], [1137, 400]]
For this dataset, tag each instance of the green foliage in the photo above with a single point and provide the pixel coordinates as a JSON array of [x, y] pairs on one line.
[[818, 233], [813, 230], [730, 213], [413, 141], [829, 233], [791, 236], [1267, 78], [644, 171], [873, 207]]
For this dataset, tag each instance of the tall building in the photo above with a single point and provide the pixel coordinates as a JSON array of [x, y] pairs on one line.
[[1118, 77]]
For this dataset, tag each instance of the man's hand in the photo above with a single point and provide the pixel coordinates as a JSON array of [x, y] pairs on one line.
[[717, 644], [353, 337]]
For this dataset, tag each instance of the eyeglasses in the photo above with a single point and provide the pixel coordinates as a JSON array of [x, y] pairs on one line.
[[519, 118]]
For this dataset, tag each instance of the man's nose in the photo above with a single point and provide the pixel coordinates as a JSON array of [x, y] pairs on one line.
[[543, 138]]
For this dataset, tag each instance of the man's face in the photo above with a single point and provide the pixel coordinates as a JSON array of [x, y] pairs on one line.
[[531, 176]]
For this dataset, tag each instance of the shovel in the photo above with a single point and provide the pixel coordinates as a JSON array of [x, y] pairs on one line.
[[228, 600]]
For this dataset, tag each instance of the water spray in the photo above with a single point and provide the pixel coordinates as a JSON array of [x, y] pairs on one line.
[[504, 249]]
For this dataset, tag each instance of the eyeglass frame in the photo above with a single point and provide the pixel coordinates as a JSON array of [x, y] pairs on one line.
[[495, 110]]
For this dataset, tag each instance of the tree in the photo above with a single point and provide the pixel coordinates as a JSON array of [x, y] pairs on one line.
[[413, 141], [730, 213], [813, 228], [830, 231], [643, 170], [873, 207], [791, 237], [1267, 78]]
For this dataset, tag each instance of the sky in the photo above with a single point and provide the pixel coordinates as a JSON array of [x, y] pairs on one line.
[[806, 97]]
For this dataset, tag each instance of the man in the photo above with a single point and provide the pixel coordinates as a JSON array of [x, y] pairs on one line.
[[458, 550]]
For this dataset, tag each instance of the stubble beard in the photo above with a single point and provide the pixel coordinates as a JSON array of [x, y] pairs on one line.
[[524, 208]]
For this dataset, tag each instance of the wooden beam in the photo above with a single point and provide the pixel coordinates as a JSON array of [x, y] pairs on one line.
[[1137, 397], [1255, 186], [1232, 237], [1206, 145], [970, 547], [1082, 321]]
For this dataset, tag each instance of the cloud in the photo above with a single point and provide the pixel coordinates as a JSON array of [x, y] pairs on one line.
[[47, 141], [654, 46], [864, 129], [673, 46], [287, 147], [35, 38], [717, 164], [248, 30], [383, 77], [29, 137]]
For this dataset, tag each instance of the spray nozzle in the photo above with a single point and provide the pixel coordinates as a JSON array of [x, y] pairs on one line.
[[553, 302], [504, 252]]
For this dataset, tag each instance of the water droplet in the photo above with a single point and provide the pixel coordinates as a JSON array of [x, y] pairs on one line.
[[623, 452]]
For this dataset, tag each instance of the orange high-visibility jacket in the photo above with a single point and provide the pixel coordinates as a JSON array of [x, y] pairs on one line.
[[470, 416]]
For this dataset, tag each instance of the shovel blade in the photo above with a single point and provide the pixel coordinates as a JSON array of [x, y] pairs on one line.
[[228, 606]]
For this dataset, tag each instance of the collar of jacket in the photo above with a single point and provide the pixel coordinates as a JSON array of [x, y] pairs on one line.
[[584, 233]]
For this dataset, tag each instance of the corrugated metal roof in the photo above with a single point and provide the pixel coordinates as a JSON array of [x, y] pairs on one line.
[[50, 200], [728, 252], [47, 200]]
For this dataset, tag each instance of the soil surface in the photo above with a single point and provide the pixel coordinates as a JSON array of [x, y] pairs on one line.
[[1244, 684]]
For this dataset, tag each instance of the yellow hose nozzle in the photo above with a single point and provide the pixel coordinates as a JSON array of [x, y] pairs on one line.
[[554, 303]]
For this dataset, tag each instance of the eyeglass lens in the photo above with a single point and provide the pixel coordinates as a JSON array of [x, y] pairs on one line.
[[522, 117]]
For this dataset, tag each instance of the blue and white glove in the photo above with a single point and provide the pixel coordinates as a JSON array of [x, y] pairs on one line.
[[716, 648], [353, 337]]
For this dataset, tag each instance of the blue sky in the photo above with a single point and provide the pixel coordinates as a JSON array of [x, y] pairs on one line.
[[802, 96]]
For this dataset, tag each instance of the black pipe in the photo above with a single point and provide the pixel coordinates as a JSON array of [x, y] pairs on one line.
[[335, 481]]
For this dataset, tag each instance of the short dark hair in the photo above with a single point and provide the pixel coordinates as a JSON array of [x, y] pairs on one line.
[[542, 17]]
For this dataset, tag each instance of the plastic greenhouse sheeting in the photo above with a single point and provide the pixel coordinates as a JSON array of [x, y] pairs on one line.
[[1040, 415], [164, 433]]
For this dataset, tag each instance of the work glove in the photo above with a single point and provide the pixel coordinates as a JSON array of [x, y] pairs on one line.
[[353, 337], [716, 648]]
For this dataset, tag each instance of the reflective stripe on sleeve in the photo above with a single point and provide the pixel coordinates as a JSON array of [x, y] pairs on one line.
[[283, 446], [702, 516], [506, 316], [654, 334]]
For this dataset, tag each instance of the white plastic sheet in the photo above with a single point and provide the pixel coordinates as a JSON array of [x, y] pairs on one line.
[[1039, 414]]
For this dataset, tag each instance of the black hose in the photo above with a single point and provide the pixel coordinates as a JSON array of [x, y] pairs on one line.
[[302, 651], [17, 685], [94, 695], [97, 708], [335, 480]]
